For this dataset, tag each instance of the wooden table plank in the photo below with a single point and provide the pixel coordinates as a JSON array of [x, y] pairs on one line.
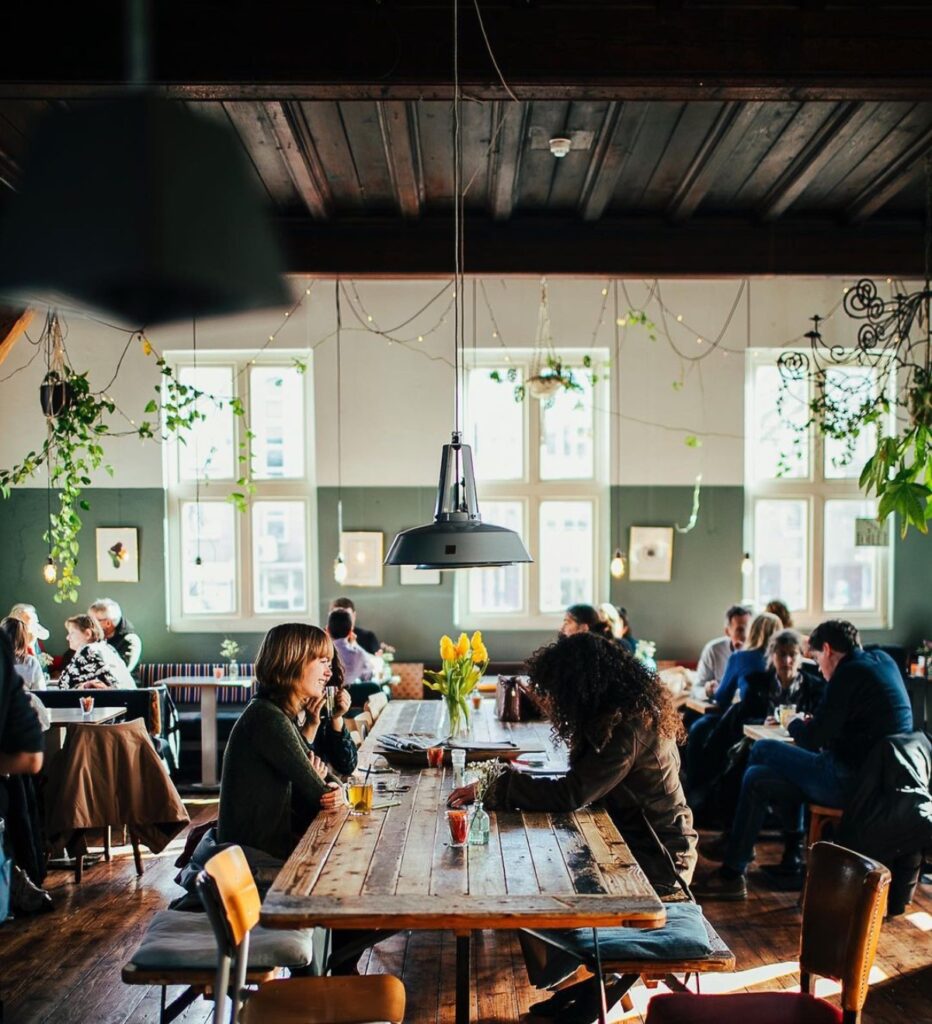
[[767, 732], [385, 865], [516, 855], [579, 860], [549, 865]]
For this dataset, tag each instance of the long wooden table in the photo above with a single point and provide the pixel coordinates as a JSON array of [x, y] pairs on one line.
[[395, 869], [767, 732]]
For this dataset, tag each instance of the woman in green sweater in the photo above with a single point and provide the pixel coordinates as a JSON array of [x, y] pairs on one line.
[[273, 784]]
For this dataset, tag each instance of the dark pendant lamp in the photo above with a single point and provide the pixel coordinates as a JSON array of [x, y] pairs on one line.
[[141, 208], [457, 538]]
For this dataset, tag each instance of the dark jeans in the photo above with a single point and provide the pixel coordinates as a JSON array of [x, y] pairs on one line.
[[782, 776], [696, 773]]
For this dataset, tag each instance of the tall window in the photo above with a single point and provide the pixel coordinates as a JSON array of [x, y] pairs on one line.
[[231, 570], [542, 469], [803, 502]]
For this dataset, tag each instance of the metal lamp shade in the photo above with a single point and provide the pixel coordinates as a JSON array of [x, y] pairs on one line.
[[457, 539], [144, 209]]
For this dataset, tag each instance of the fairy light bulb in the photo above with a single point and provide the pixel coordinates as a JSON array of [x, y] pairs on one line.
[[747, 564], [617, 565], [339, 569], [50, 570]]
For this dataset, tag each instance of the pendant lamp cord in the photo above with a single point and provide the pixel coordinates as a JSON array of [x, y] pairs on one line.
[[457, 222], [197, 458], [339, 310]]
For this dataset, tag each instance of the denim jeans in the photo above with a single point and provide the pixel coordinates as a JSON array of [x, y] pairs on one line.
[[782, 776]]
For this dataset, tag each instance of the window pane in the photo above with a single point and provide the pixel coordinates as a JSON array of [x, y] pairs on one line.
[[780, 544], [777, 448], [566, 554], [847, 388], [276, 406], [499, 590], [850, 573], [208, 530], [567, 451], [497, 422], [279, 553], [207, 450]]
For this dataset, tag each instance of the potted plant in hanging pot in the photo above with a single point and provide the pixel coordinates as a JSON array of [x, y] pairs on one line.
[[552, 378], [55, 393]]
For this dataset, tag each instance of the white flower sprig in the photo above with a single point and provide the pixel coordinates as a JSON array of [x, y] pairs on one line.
[[485, 774]]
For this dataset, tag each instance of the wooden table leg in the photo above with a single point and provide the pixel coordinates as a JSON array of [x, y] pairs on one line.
[[209, 737], [462, 977]]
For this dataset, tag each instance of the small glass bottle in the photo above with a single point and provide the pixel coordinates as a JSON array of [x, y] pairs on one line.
[[479, 828]]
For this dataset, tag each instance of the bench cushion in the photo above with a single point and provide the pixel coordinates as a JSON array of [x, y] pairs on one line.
[[179, 940], [683, 937]]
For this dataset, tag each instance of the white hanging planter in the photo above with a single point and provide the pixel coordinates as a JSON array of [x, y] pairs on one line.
[[545, 385]]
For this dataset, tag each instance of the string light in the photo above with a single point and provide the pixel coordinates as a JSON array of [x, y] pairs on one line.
[[50, 570], [617, 565], [339, 570], [747, 564]]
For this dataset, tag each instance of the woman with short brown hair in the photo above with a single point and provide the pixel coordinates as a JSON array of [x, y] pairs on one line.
[[272, 784], [95, 665]]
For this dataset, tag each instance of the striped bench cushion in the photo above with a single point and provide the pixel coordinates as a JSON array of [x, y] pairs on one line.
[[154, 672]]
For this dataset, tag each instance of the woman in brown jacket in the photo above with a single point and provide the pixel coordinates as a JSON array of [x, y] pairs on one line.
[[622, 730]]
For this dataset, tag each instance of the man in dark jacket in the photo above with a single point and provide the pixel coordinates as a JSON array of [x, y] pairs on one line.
[[865, 700], [366, 639], [118, 632]]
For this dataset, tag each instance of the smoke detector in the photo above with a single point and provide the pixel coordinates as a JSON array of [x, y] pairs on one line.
[[560, 147]]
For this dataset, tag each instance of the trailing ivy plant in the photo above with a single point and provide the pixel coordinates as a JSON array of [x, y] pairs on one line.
[[74, 448]]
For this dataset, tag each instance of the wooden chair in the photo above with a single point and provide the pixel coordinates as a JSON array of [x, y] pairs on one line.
[[375, 705], [821, 819], [844, 903], [231, 899]]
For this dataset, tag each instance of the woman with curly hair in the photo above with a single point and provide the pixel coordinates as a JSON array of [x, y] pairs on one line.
[[622, 730]]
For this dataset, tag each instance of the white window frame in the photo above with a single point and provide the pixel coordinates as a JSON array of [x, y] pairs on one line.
[[815, 490], [531, 491], [244, 618]]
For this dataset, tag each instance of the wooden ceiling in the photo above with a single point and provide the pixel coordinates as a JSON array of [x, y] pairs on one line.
[[712, 138]]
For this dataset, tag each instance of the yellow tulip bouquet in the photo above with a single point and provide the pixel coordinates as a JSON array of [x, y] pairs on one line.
[[464, 664]]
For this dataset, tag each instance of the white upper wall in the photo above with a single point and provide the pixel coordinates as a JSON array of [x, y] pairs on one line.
[[398, 394]]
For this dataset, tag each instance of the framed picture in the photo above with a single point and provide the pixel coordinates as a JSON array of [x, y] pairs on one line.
[[650, 554], [117, 554], [411, 577], [363, 555]]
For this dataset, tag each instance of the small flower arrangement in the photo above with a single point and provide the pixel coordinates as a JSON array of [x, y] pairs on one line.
[[387, 653], [229, 650], [644, 651], [45, 660], [485, 774], [464, 664]]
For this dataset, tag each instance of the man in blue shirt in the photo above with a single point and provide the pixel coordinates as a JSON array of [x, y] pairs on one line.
[[865, 700]]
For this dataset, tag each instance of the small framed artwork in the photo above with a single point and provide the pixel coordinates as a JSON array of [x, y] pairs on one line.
[[118, 554], [650, 554], [410, 576], [363, 554]]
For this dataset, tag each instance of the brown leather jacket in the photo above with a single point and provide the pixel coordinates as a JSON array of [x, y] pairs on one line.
[[637, 776]]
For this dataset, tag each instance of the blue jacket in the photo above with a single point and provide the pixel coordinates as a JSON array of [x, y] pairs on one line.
[[864, 701], [739, 666]]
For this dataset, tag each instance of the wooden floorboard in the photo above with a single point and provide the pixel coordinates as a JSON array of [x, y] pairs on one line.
[[65, 966]]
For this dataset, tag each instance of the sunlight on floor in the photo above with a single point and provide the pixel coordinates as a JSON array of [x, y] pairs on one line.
[[920, 919]]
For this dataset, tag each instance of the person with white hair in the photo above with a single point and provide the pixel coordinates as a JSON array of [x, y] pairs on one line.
[[35, 631], [118, 631]]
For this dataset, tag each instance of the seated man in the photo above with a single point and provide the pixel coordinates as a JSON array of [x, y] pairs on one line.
[[118, 632], [357, 663], [366, 639], [865, 700], [716, 652]]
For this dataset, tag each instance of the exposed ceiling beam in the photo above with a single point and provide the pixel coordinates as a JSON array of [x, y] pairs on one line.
[[398, 125], [618, 51], [843, 122], [616, 141], [733, 121], [13, 322], [702, 247], [894, 177], [287, 123], [509, 125]]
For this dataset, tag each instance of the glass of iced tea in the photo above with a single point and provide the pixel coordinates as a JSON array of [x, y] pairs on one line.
[[476, 700], [435, 757], [458, 820], [87, 705], [359, 796]]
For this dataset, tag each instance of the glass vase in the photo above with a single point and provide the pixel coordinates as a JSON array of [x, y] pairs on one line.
[[459, 719], [479, 827], [233, 670]]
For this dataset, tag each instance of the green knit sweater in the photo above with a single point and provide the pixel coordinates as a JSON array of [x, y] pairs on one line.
[[269, 793]]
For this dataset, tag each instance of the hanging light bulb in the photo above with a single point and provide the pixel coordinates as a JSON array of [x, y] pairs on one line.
[[339, 569], [50, 570], [617, 566], [747, 564]]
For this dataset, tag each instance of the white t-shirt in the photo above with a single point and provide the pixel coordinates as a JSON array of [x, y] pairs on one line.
[[31, 673]]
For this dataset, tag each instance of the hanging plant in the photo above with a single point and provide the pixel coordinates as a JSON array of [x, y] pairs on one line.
[[79, 422]]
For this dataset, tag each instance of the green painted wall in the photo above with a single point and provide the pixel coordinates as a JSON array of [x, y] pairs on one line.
[[679, 615]]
